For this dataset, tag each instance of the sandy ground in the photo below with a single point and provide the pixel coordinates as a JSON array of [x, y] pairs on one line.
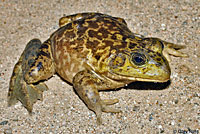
[[174, 108]]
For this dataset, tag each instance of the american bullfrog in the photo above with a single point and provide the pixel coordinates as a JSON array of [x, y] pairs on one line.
[[94, 52]]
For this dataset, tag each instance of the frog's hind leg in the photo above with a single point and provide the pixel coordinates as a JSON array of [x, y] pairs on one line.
[[87, 86], [19, 89], [15, 83]]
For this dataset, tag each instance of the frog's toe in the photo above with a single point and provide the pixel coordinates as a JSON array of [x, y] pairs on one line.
[[110, 109], [34, 93], [102, 107], [107, 109], [110, 101], [98, 112]]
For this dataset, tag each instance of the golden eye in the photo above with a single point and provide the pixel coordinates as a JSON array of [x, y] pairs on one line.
[[138, 59]]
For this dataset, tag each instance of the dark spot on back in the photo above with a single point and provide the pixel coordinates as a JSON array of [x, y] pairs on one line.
[[158, 64], [113, 37], [93, 24], [70, 34], [93, 33], [108, 42], [154, 41], [81, 30], [142, 45], [59, 34], [80, 22], [92, 44], [97, 57], [104, 32], [158, 54], [158, 59], [124, 38], [30, 73]]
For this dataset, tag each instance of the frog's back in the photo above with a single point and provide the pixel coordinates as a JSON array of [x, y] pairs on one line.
[[87, 42]]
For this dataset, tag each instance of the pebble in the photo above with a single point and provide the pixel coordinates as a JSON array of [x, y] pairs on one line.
[[3, 122]]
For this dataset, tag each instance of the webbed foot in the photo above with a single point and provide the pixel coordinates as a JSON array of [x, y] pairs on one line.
[[19, 90]]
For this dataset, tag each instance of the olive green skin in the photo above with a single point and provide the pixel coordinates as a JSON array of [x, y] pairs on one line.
[[93, 51]]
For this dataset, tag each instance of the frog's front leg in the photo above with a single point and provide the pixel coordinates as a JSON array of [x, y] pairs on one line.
[[172, 49], [87, 86]]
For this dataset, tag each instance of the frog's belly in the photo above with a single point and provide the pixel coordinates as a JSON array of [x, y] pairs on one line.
[[68, 57], [67, 66]]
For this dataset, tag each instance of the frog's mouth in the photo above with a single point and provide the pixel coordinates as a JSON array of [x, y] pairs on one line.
[[161, 79], [152, 80]]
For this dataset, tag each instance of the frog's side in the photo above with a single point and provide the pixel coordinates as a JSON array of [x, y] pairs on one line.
[[94, 52]]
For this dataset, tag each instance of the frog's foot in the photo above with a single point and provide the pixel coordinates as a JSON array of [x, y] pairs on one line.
[[86, 86], [33, 93], [19, 90], [172, 49], [98, 108]]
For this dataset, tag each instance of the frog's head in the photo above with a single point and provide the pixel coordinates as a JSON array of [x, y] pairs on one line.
[[144, 62]]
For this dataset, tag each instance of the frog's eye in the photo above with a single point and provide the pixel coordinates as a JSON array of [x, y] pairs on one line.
[[138, 59]]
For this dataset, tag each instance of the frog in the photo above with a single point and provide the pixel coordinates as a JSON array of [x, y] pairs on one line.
[[94, 52]]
